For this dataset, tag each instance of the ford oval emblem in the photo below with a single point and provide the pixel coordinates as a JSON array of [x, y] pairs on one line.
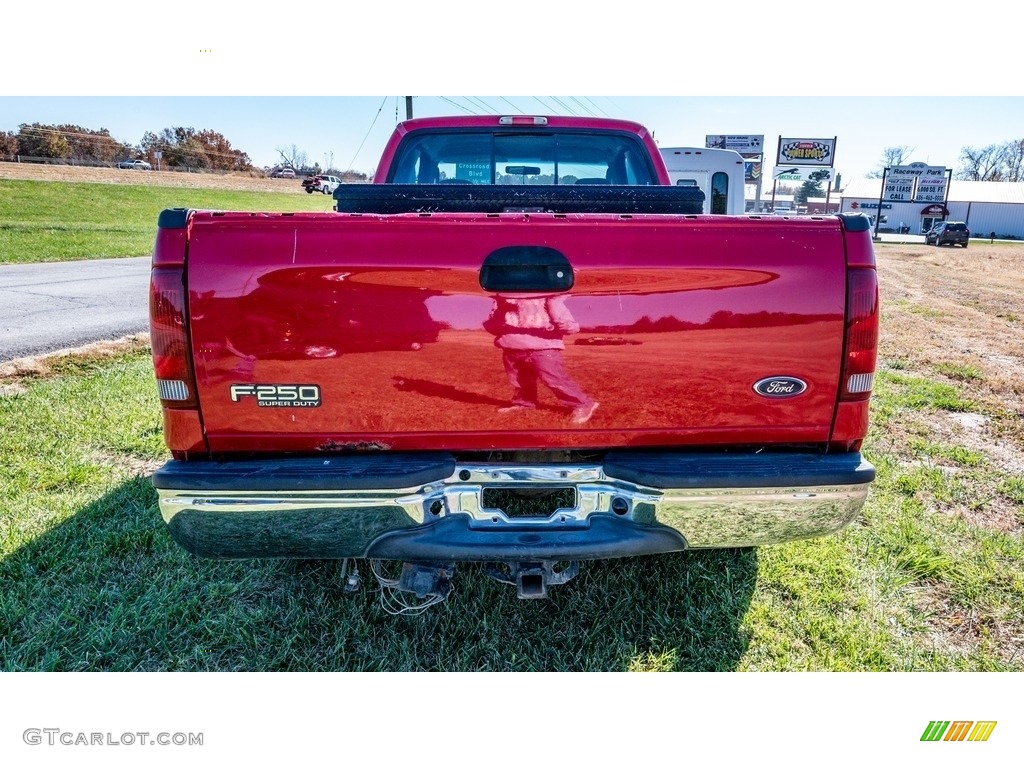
[[780, 386]]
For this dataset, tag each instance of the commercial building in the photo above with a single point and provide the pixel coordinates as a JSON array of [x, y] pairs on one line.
[[986, 206]]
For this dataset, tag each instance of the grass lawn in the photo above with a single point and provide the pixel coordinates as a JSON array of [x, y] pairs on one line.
[[65, 221], [92, 581]]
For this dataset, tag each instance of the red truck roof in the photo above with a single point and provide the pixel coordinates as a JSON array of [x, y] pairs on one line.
[[520, 122]]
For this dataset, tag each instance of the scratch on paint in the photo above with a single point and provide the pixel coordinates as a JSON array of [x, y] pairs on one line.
[[295, 246]]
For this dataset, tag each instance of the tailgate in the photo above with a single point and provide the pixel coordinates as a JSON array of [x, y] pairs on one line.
[[333, 331]]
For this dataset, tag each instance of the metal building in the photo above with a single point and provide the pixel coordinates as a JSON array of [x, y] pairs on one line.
[[986, 207]]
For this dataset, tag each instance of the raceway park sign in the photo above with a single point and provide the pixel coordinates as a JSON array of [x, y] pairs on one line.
[[806, 152], [917, 182]]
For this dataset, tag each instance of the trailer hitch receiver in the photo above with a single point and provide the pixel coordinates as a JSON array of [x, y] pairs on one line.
[[532, 579]]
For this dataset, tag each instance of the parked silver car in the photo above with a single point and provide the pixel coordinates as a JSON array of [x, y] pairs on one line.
[[138, 165]]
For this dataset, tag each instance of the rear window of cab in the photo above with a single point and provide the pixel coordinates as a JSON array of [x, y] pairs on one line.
[[521, 158]]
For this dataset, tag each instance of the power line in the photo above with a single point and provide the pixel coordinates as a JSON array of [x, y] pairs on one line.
[[490, 109], [547, 107], [457, 106], [379, 110], [564, 106], [589, 100], [620, 109], [475, 105], [512, 105], [40, 129], [583, 106], [475, 102]]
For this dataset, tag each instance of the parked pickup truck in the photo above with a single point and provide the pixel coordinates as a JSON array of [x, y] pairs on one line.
[[321, 183], [520, 346]]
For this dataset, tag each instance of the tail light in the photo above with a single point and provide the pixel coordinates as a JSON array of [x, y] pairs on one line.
[[169, 338], [168, 324], [861, 337]]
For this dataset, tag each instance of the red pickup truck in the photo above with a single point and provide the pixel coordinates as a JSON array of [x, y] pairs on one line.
[[520, 345]]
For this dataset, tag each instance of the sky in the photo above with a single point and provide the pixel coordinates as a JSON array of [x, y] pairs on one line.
[[353, 129], [315, 76]]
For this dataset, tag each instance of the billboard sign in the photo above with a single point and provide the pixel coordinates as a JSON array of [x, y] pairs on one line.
[[806, 152], [745, 145], [802, 173]]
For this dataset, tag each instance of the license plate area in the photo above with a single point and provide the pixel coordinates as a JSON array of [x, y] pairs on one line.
[[517, 503], [541, 496]]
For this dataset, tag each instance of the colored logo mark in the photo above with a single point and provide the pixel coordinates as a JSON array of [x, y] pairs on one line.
[[958, 730]]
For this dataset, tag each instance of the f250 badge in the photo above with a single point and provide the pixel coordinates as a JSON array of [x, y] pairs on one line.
[[780, 386], [278, 395]]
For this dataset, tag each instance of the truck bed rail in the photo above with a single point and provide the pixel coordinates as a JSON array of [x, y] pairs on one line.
[[502, 198]]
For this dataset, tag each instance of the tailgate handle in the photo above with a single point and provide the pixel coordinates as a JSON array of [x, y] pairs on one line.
[[526, 269]]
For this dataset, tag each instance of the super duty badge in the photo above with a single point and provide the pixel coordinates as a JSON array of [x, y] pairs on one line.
[[278, 395]]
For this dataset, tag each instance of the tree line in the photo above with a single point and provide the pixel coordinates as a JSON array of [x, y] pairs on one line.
[[179, 147], [995, 162]]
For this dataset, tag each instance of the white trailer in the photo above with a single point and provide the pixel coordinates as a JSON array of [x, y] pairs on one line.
[[718, 173]]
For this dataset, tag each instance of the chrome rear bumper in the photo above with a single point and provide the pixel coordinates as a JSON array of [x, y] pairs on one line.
[[633, 503]]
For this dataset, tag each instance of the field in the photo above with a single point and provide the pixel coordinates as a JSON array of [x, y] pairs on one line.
[[81, 174], [107, 213], [930, 577]]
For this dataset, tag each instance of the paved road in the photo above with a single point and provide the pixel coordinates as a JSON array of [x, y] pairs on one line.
[[887, 237], [45, 307]]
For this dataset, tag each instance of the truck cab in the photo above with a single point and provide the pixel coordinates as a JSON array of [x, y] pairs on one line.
[[718, 173]]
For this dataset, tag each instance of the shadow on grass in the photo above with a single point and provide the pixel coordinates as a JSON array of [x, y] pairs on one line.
[[108, 590]]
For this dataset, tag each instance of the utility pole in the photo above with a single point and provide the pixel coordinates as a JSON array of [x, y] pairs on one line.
[[408, 107]]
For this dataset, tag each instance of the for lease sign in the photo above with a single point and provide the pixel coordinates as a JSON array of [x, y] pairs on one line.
[[917, 182]]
